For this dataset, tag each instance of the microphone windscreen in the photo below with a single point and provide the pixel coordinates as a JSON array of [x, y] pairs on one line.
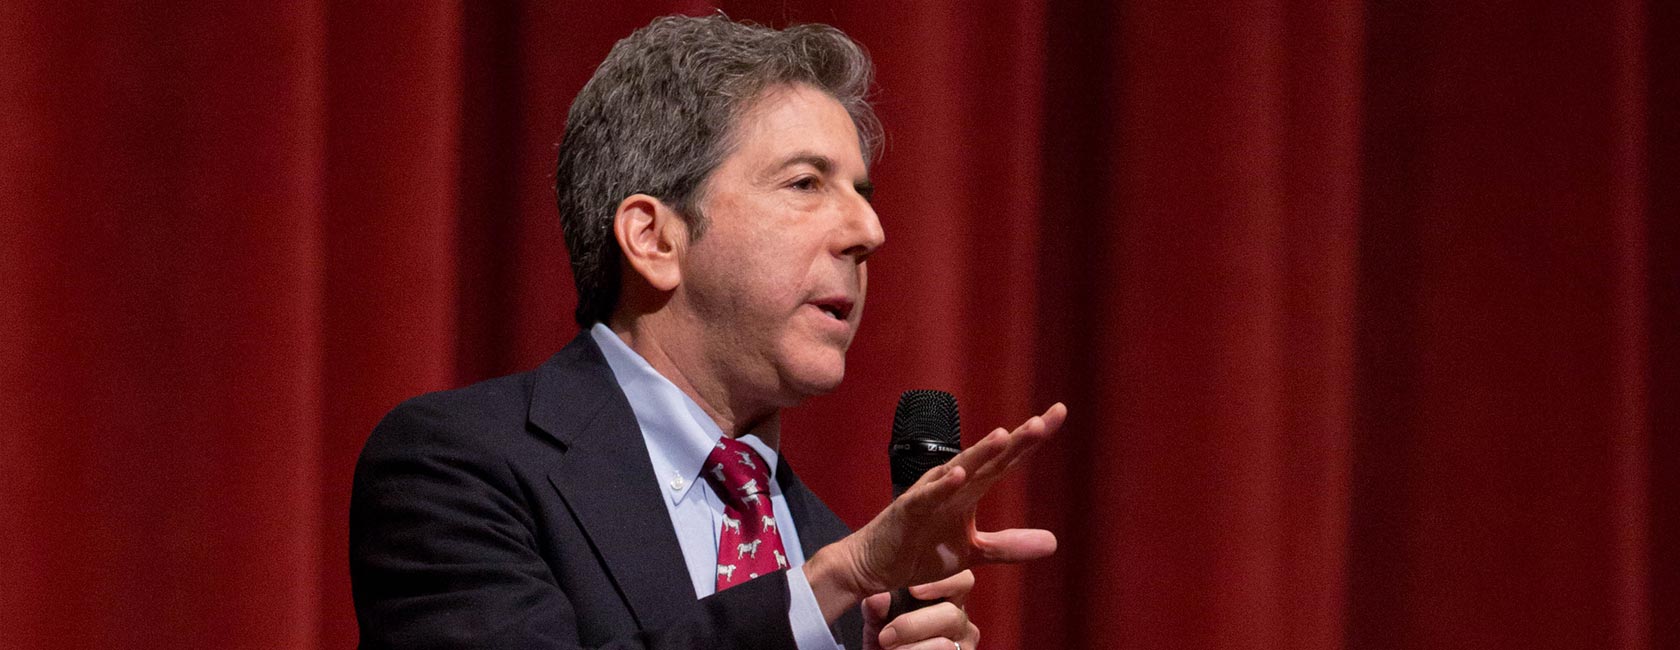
[[926, 433]]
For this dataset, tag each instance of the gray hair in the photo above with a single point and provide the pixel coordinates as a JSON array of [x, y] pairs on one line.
[[659, 115]]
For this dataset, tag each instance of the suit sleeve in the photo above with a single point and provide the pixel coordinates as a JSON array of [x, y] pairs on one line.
[[443, 555]]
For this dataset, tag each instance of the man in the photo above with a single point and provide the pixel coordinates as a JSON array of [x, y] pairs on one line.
[[628, 493]]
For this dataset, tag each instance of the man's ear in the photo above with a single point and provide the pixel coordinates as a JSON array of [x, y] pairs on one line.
[[652, 237]]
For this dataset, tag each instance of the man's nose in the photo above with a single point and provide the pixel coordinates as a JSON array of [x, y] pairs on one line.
[[861, 231]]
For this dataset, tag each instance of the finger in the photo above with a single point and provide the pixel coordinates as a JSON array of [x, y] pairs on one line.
[[1016, 442], [1015, 545], [966, 492], [954, 588], [1055, 416], [942, 620], [875, 617], [1021, 442], [982, 452], [875, 610], [1040, 428], [980, 462], [984, 463], [934, 489], [940, 643], [1016, 459]]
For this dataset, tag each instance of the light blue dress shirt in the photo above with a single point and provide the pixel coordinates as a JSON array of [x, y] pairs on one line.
[[679, 437]]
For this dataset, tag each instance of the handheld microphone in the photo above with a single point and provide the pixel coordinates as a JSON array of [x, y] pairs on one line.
[[926, 433]]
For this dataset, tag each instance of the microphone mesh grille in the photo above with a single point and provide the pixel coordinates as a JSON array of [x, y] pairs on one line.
[[926, 432]]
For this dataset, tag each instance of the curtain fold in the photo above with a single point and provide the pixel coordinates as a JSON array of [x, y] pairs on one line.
[[161, 279], [1367, 315]]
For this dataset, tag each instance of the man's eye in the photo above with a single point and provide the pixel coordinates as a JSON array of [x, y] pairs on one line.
[[804, 183]]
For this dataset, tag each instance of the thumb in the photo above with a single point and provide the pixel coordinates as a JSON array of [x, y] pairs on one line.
[[875, 609], [1015, 545], [874, 612]]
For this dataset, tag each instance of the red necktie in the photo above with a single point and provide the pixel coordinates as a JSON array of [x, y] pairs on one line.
[[751, 545]]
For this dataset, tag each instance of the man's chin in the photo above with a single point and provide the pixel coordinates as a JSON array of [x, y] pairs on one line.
[[818, 386], [805, 380]]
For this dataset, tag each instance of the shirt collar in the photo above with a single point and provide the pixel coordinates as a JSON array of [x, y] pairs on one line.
[[678, 432]]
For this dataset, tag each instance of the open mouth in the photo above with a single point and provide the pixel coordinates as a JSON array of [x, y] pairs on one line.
[[836, 308]]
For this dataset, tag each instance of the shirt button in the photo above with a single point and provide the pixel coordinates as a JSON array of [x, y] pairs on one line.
[[678, 483]]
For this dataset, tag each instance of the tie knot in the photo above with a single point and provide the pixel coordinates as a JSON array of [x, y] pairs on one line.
[[737, 473]]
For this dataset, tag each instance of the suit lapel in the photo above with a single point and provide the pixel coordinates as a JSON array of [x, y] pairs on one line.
[[818, 527], [607, 482]]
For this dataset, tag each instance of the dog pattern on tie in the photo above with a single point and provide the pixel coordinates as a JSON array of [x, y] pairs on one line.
[[741, 478]]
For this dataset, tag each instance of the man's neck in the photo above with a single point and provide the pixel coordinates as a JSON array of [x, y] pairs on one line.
[[705, 388]]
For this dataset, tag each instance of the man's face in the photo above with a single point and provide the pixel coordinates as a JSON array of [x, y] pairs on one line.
[[776, 283]]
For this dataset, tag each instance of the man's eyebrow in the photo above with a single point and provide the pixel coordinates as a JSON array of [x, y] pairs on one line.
[[822, 163], [825, 165]]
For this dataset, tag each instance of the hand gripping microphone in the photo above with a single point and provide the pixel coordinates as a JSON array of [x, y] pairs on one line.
[[925, 434]]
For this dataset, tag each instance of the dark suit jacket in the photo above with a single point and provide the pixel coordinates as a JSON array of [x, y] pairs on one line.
[[523, 512]]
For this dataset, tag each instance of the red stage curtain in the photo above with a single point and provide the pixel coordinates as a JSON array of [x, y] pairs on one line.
[[1367, 314]]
